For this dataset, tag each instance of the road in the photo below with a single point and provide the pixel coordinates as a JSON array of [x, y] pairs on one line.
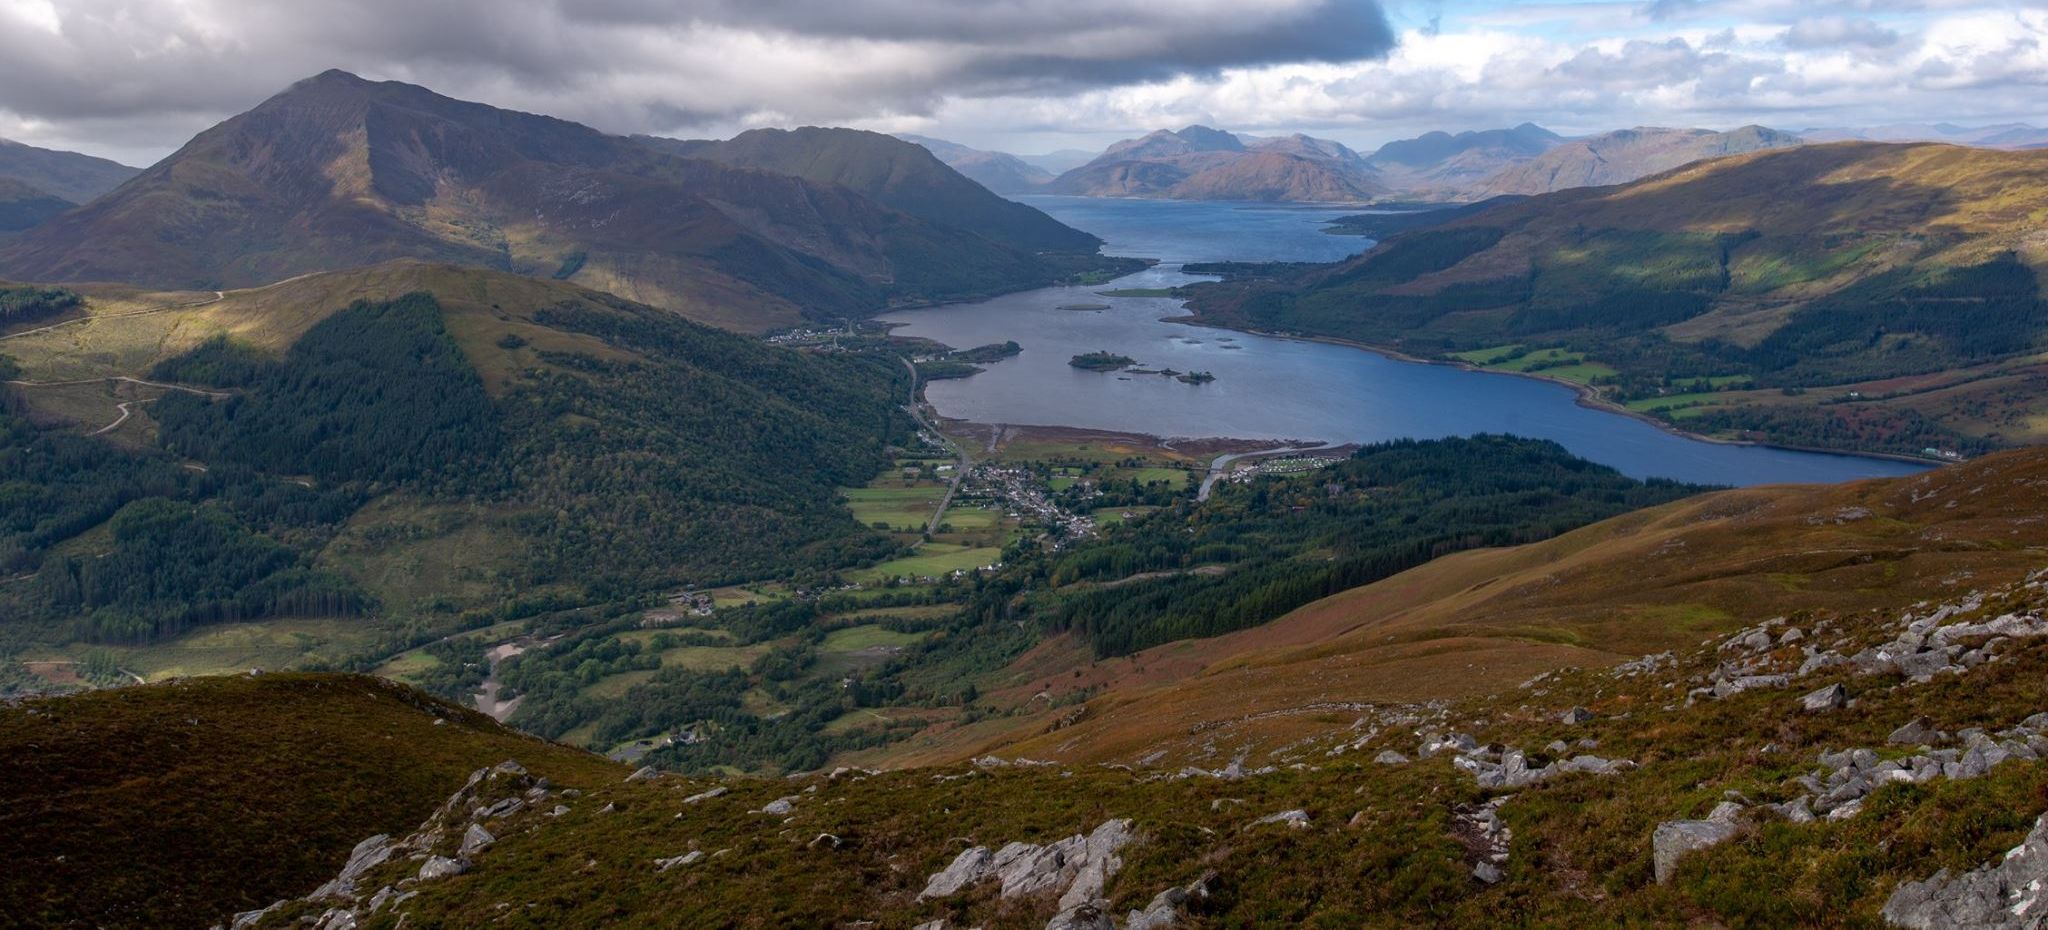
[[961, 464], [1219, 468], [127, 407], [217, 297]]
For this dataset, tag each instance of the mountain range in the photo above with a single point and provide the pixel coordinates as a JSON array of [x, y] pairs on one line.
[[338, 172], [67, 176]]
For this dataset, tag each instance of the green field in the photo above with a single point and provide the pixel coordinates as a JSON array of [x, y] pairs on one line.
[[1562, 364], [900, 508], [234, 648], [933, 559], [855, 638]]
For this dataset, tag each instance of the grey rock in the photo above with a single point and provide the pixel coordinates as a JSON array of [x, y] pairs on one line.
[[1831, 697], [966, 869], [688, 858], [1674, 839], [442, 867], [1296, 819], [475, 840], [702, 796], [1577, 715], [1488, 873], [1916, 732], [2001, 895], [367, 855], [780, 806], [1390, 757], [644, 773], [1084, 917], [1166, 907]]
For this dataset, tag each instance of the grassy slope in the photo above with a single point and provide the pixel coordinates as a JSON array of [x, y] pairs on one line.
[[176, 804], [1479, 622]]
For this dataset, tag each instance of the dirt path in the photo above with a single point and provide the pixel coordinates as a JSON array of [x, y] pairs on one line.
[[486, 698], [127, 408]]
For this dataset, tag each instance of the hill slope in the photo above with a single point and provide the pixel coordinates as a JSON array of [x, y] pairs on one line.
[[901, 175], [998, 171], [180, 804], [412, 441], [1852, 295], [66, 175], [339, 172], [23, 206], [1441, 165]]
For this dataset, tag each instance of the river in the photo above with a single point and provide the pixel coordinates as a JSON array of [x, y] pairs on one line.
[[1275, 388]]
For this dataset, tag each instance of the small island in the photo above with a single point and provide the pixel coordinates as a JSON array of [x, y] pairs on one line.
[[1196, 377], [1102, 361], [1084, 306], [993, 352]]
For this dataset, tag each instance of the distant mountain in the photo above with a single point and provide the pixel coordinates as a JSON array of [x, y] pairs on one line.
[[1059, 162], [339, 172], [1442, 163], [1200, 163], [67, 175], [898, 174], [998, 171], [23, 206], [2003, 135], [1623, 156]]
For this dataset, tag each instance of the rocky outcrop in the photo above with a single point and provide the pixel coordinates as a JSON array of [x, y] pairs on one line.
[[2008, 894], [1076, 868], [444, 846], [1502, 767], [1673, 840]]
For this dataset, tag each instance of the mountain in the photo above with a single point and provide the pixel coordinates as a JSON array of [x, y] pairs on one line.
[[22, 206], [900, 175], [1200, 163], [66, 175], [1852, 295], [1686, 714], [2004, 135], [1438, 163], [998, 171], [1622, 156], [339, 172]]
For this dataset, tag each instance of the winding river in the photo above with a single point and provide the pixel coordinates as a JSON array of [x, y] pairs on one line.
[[1276, 388]]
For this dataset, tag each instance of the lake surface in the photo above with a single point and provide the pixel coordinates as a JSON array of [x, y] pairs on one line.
[[1274, 388]]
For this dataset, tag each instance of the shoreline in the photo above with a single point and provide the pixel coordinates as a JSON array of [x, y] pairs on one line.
[[1585, 395]]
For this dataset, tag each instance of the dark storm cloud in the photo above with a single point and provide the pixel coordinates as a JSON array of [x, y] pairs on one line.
[[645, 64]]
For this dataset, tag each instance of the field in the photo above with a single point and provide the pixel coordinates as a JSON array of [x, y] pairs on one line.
[[233, 648], [1555, 363], [933, 560]]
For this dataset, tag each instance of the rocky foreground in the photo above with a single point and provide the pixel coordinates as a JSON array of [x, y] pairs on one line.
[[1876, 769]]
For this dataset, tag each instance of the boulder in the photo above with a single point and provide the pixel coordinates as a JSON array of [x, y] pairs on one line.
[[1832, 697], [780, 806], [1390, 757], [2005, 894], [367, 855], [966, 869], [442, 867], [1296, 819], [1918, 731], [688, 858], [1674, 839], [1577, 715], [1084, 917], [475, 840]]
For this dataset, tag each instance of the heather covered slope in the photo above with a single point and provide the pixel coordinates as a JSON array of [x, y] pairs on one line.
[[1854, 295], [338, 172], [179, 804]]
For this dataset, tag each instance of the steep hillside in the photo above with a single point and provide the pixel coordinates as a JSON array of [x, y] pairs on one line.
[[998, 171], [23, 206], [180, 804], [66, 175], [1852, 295], [339, 172], [897, 174], [424, 446], [1481, 622], [1620, 157], [1199, 163]]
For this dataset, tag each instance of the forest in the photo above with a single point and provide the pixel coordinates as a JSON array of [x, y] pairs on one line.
[[1275, 544]]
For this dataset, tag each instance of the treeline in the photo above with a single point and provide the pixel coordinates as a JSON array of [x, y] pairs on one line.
[[1272, 545], [27, 304]]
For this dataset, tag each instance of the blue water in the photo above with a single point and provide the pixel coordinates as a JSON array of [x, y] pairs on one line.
[[1273, 388]]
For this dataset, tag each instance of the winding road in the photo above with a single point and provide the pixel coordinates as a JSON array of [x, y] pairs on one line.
[[960, 467]]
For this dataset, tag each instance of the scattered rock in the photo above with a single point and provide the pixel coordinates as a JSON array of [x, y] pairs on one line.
[[1917, 732], [705, 795], [1390, 757], [475, 840], [779, 806], [688, 858], [1576, 716], [1083, 917]]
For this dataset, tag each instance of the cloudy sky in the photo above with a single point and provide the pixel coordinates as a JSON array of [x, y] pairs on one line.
[[132, 79]]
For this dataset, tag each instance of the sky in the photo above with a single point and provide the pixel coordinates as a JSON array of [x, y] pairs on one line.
[[133, 79]]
